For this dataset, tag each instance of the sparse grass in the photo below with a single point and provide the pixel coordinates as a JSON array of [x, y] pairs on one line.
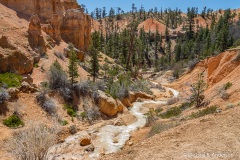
[[13, 121], [161, 127], [206, 111], [227, 85], [10, 79]]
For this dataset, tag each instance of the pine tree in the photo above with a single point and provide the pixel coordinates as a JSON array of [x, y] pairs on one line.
[[73, 65], [94, 50]]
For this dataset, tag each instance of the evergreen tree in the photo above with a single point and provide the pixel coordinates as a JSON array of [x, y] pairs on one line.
[[73, 65], [94, 50]]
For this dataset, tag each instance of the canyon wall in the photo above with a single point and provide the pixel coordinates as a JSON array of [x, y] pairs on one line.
[[61, 19]]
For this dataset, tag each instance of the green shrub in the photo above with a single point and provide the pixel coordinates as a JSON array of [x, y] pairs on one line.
[[10, 79], [70, 110], [63, 122], [206, 111], [35, 65], [13, 121], [227, 85], [172, 112], [83, 115]]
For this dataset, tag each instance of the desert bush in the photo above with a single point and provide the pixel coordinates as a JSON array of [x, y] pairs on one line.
[[57, 77], [33, 142], [10, 80], [192, 64], [93, 114], [116, 90], [172, 100], [50, 107], [150, 117], [63, 122], [223, 94], [72, 129], [84, 88], [46, 103], [13, 121], [227, 85], [4, 95], [206, 111], [67, 93], [83, 115], [59, 55], [140, 85]]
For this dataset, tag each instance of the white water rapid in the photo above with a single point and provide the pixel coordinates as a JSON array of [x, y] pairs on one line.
[[110, 138]]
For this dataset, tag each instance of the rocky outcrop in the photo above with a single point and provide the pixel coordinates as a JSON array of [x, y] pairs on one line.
[[221, 66], [133, 96], [43, 8], [108, 105], [15, 61], [76, 28], [35, 36], [61, 19]]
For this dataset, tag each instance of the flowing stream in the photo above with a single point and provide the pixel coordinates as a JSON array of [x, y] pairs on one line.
[[110, 138]]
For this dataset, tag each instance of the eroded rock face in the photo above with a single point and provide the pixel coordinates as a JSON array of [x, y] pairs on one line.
[[15, 61], [76, 28], [61, 19], [43, 8], [35, 36]]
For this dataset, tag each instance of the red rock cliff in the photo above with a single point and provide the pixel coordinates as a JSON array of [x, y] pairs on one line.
[[61, 19]]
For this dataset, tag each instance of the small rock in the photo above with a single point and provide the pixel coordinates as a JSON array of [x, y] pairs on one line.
[[130, 143], [85, 141], [90, 148]]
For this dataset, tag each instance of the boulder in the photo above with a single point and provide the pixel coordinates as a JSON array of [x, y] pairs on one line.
[[107, 104]]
